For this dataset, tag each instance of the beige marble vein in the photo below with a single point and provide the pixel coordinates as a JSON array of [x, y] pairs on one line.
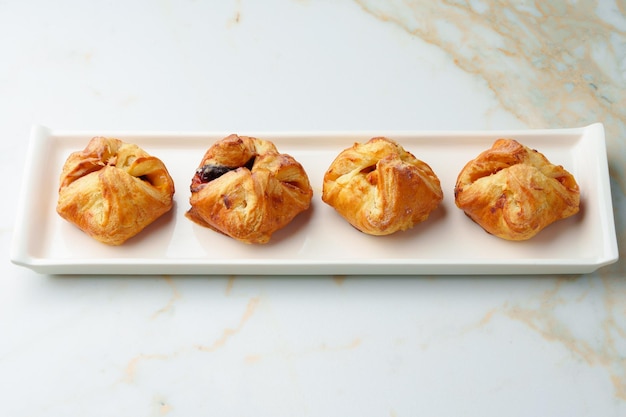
[[229, 332], [229, 285], [131, 367], [602, 346], [551, 63], [170, 304], [160, 406], [339, 279]]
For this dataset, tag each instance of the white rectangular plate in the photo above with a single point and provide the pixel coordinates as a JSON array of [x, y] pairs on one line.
[[319, 241]]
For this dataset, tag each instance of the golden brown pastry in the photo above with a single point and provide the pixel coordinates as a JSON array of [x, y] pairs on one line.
[[380, 188], [514, 192], [245, 189], [112, 190]]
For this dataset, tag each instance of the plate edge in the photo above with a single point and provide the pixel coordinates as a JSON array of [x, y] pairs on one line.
[[19, 254]]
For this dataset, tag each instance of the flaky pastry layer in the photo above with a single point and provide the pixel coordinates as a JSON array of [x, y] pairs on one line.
[[112, 190], [514, 192], [380, 188]]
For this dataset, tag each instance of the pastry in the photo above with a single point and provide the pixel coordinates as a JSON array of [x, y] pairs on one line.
[[380, 188], [514, 192], [245, 189], [112, 190]]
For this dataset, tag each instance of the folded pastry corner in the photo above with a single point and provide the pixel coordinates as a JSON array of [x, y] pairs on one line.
[[246, 189], [112, 190], [514, 192], [380, 188]]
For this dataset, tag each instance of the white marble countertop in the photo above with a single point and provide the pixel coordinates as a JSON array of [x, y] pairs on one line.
[[311, 345]]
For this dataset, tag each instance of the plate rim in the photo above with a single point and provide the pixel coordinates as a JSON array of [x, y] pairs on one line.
[[40, 134]]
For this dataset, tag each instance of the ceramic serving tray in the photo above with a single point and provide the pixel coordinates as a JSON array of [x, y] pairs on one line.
[[319, 241]]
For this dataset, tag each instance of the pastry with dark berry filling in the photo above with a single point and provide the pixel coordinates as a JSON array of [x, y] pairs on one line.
[[246, 189]]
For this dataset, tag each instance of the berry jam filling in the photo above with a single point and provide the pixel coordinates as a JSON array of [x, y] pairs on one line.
[[209, 172]]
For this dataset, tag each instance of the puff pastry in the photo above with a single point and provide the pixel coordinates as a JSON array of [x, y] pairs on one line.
[[112, 190], [380, 188], [514, 192], [246, 189]]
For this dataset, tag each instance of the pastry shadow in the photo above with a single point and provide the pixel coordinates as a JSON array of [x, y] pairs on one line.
[[436, 217], [554, 233], [582, 212], [293, 234], [294, 229], [153, 239], [160, 230], [557, 231]]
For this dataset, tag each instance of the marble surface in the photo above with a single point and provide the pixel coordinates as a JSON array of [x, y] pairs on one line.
[[311, 345]]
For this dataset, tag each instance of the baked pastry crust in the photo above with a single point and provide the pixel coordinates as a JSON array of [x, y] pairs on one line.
[[246, 189], [112, 190], [514, 192], [380, 188]]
